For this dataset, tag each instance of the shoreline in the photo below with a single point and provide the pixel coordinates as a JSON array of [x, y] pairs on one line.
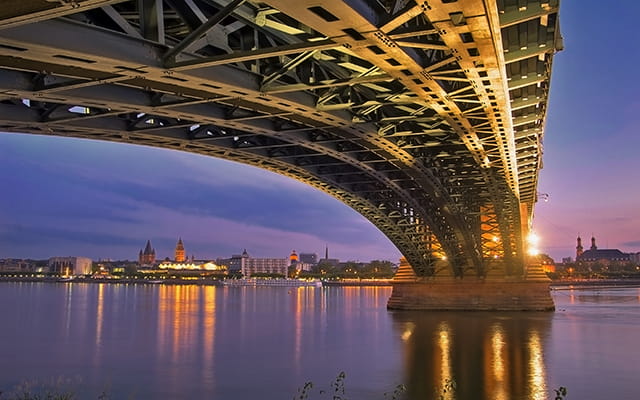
[[112, 281], [554, 285], [200, 282], [364, 282], [587, 283]]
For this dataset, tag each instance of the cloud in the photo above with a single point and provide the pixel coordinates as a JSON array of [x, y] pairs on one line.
[[21, 241], [105, 200], [78, 181], [217, 172], [204, 236], [213, 236], [19, 235], [633, 243]]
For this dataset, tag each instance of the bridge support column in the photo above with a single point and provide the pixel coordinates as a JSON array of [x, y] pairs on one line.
[[497, 293], [471, 295]]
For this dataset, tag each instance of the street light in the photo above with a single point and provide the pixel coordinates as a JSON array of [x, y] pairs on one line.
[[543, 196]]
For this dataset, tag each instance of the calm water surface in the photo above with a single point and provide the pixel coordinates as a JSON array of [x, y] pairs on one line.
[[192, 342]]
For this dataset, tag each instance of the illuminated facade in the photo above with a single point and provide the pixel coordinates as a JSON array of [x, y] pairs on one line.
[[180, 254], [547, 263], [70, 265], [293, 258], [148, 255], [265, 266], [208, 266], [249, 266]]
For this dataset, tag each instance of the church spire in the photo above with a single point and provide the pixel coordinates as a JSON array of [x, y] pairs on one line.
[[593, 243], [148, 249], [579, 249], [148, 255], [326, 251]]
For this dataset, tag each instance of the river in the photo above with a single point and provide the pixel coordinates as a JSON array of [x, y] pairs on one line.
[[139, 341]]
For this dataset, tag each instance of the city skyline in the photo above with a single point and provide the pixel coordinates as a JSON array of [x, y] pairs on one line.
[[149, 248], [101, 200]]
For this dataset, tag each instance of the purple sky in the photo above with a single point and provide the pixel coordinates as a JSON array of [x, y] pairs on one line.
[[592, 143], [104, 200]]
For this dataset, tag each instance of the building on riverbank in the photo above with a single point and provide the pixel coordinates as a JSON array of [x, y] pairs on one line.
[[596, 255], [309, 258], [180, 255], [148, 255], [192, 266], [248, 265], [17, 265], [70, 265]]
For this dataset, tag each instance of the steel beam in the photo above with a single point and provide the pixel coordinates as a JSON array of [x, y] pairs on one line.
[[414, 109]]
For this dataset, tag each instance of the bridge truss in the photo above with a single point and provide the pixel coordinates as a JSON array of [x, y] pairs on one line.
[[424, 116]]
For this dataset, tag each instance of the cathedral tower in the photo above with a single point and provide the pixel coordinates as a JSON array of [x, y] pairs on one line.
[[180, 257], [147, 256]]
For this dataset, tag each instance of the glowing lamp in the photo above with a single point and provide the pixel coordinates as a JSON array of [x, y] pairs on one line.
[[533, 241]]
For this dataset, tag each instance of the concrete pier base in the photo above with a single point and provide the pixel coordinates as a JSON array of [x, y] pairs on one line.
[[471, 295]]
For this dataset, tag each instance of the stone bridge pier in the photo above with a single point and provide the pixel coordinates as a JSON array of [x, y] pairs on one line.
[[530, 292]]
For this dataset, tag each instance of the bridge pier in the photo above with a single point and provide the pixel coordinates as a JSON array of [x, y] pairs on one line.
[[529, 293]]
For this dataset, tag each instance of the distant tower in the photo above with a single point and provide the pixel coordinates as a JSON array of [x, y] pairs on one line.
[[180, 257], [244, 263], [293, 258], [579, 249], [593, 243], [326, 252], [147, 256]]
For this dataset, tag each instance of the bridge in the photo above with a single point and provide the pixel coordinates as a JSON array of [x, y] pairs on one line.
[[426, 117]]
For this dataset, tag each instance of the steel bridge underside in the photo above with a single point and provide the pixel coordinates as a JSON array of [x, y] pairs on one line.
[[425, 117]]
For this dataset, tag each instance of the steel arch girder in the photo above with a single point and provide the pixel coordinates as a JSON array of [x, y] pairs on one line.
[[23, 119], [132, 100], [137, 66], [97, 85]]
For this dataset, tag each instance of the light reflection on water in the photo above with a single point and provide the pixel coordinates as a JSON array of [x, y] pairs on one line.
[[241, 343], [444, 348], [537, 377], [488, 355], [496, 383]]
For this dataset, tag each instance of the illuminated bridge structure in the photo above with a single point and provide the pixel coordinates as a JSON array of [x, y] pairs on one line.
[[426, 117]]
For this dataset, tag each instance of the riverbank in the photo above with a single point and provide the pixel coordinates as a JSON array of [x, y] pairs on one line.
[[49, 279], [210, 282], [589, 283], [358, 282], [555, 285]]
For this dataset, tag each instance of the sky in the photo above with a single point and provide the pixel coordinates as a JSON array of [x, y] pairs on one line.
[[103, 200], [591, 161]]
